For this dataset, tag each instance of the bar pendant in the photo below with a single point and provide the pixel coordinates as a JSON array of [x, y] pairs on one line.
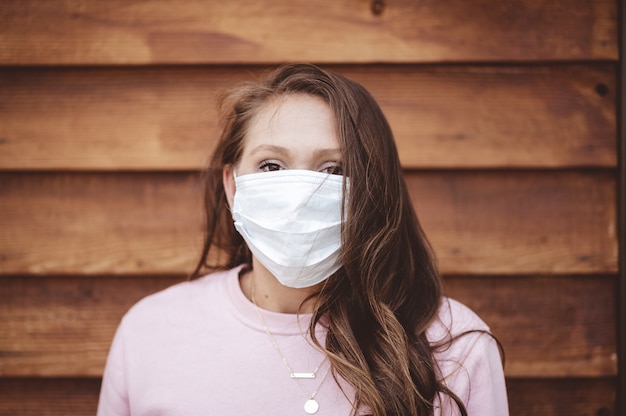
[[302, 375]]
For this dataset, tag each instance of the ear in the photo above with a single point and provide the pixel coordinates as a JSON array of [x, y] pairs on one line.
[[229, 184]]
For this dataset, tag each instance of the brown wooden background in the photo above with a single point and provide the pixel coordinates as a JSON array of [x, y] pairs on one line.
[[506, 119]]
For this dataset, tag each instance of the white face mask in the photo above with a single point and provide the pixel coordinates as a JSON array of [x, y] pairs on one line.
[[291, 221]]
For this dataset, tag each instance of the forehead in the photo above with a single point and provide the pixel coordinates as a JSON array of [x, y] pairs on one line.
[[295, 121]]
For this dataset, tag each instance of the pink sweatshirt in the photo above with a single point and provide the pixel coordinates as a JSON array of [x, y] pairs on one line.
[[199, 348]]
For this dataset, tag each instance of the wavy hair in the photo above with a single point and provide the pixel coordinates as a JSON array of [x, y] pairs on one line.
[[378, 306]]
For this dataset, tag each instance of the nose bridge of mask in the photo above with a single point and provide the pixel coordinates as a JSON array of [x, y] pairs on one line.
[[302, 197]]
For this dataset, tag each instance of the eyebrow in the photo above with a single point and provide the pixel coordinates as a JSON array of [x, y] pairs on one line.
[[269, 147], [285, 151]]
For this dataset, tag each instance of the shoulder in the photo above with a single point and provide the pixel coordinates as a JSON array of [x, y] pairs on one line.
[[468, 359], [453, 319], [458, 334]]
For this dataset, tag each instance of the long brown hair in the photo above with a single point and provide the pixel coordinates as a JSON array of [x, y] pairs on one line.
[[378, 306]]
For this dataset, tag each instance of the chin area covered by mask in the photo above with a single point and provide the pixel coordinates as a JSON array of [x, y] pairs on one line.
[[291, 221]]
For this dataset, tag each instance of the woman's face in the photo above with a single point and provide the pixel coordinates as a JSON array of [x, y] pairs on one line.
[[296, 131]]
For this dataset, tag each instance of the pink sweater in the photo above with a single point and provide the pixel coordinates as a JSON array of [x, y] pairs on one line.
[[199, 348]]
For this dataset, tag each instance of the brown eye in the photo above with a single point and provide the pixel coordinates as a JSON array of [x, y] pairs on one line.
[[269, 166], [333, 170]]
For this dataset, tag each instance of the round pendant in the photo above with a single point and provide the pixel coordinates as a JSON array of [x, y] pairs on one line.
[[311, 406]]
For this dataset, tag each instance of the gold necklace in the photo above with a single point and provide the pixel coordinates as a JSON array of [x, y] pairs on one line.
[[311, 406]]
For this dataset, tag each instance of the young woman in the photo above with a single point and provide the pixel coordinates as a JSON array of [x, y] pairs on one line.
[[327, 300]]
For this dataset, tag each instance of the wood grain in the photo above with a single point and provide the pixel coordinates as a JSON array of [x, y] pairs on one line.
[[549, 326], [99, 223], [49, 396], [63, 326], [518, 222], [572, 397], [478, 222], [443, 117], [78, 397], [248, 31]]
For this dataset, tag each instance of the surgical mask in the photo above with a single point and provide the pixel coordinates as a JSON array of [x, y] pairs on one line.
[[291, 221]]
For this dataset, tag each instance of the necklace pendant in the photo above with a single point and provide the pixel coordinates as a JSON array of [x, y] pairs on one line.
[[302, 375], [311, 406]]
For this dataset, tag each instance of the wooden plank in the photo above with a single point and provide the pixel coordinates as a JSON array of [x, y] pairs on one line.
[[550, 326], [99, 223], [572, 397], [49, 397], [78, 397], [519, 222], [136, 32], [498, 117], [478, 222], [442, 116], [63, 326], [527, 397]]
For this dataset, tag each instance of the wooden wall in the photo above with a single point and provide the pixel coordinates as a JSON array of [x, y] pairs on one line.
[[506, 120]]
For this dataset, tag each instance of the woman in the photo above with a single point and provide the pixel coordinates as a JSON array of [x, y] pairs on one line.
[[327, 301]]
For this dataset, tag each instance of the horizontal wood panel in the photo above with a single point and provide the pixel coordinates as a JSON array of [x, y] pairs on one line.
[[63, 326], [518, 222], [139, 32], [571, 397], [78, 397], [94, 223], [549, 326], [478, 222], [49, 396], [443, 117]]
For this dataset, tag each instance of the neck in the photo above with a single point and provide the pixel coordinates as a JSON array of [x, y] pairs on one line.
[[271, 295]]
